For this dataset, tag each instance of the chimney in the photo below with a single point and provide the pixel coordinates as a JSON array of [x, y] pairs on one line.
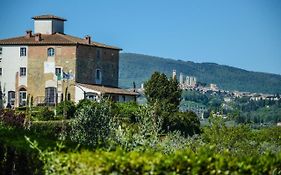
[[28, 33], [38, 37], [88, 39]]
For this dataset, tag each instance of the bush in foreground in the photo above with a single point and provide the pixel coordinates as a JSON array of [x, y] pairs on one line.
[[90, 125], [204, 161]]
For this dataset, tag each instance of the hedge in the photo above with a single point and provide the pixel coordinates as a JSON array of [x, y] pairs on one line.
[[52, 128], [204, 161]]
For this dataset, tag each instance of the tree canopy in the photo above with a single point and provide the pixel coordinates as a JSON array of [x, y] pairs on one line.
[[160, 88]]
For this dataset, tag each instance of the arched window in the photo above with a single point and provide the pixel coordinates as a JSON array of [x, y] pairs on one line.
[[51, 52]]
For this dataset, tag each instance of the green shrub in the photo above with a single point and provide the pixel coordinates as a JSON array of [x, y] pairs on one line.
[[91, 123], [83, 103], [69, 108], [186, 122], [204, 161], [42, 113], [127, 111], [52, 129], [241, 139], [141, 135]]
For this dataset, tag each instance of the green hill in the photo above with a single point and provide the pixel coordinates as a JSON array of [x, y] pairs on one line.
[[138, 68]]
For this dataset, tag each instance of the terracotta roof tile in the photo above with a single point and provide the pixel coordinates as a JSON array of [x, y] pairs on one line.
[[53, 39], [108, 90], [48, 17]]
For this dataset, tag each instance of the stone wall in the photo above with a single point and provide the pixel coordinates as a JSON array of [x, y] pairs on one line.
[[88, 63]]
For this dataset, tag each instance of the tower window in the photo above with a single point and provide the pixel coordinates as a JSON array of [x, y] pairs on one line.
[[23, 51], [51, 52], [0, 50], [0, 71]]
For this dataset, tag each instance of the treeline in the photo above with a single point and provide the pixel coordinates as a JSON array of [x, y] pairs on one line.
[[138, 68]]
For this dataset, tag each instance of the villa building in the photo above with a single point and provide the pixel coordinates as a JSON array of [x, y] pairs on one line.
[[50, 66]]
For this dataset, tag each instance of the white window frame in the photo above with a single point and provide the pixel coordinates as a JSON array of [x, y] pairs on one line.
[[22, 51], [22, 71], [22, 98]]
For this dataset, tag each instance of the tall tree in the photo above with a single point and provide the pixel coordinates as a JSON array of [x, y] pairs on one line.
[[161, 89]]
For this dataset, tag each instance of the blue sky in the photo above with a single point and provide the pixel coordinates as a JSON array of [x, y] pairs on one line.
[[239, 33]]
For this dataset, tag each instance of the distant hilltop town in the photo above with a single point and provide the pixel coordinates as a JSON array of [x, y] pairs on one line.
[[188, 82]]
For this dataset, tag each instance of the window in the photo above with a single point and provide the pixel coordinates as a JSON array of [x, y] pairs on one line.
[[98, 76], [50, 95], [11, 97], [51, 52], [98, 53], [0, 50], [92, 96], [22, 51], [59, 73], [0, 71], [22, 97], [23, 71]]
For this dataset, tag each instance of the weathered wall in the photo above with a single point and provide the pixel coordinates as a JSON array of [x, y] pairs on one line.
[[37, 80], [88, 62]]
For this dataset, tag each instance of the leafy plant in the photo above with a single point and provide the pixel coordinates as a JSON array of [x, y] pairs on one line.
[[185, 122], [66, 107], [90, 125], [10, 118], [43, 114]]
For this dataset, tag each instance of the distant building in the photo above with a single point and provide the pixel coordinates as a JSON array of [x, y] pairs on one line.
[[52, 66], [181, 78], [214, 87], [190, 81], [174, 74]]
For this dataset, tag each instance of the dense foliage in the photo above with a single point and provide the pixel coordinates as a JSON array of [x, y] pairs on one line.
[[186, 122], [220, 150], [138, 68], [11, 118], [204, 161], [161, 89], [66, 109], [126, 138], [90, 125]]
